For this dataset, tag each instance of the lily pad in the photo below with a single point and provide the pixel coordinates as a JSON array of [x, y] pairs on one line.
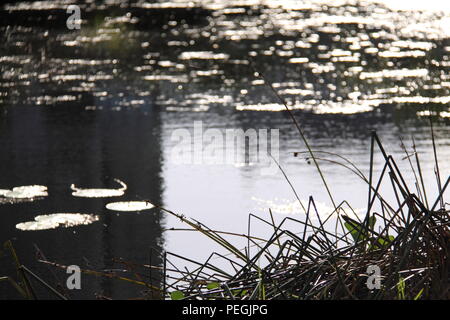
[[129, 206], [23, 192], [56, 220], [99, 193]]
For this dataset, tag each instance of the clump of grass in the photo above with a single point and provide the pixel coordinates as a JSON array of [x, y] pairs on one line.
[[407, 242], [23, 284], [410, 248]]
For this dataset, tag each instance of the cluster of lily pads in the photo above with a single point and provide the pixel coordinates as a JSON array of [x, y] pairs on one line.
[[55, 220]]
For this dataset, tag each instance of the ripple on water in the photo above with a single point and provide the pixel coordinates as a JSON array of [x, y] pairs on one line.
[[398, 74], [344, 107], [326, 41], [294, 207], [203, 55]]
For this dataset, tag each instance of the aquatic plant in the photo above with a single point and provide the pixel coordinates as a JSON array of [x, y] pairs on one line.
[[407, 242]]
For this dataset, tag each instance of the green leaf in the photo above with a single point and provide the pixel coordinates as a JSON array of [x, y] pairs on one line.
[[401, 285], [417, 297], [386, 242], [177, 295], [372, 221], [355, 231], [358, 230], [213, 285], [239, 292]]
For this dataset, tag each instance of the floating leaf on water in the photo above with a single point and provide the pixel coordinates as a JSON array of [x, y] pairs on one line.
[[129, 206], [99, 193], [55, 220], [26, 192]]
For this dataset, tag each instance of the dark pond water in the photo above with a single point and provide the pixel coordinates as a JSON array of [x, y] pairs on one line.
[[89, 106]]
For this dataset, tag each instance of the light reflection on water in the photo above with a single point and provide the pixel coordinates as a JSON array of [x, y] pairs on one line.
[[55, 220], [105, 100]]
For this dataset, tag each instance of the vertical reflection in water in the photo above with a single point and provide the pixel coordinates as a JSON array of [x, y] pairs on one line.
[[131, 148], [57, 147]]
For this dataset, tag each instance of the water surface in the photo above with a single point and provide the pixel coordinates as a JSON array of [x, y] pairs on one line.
[[89, 106]]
